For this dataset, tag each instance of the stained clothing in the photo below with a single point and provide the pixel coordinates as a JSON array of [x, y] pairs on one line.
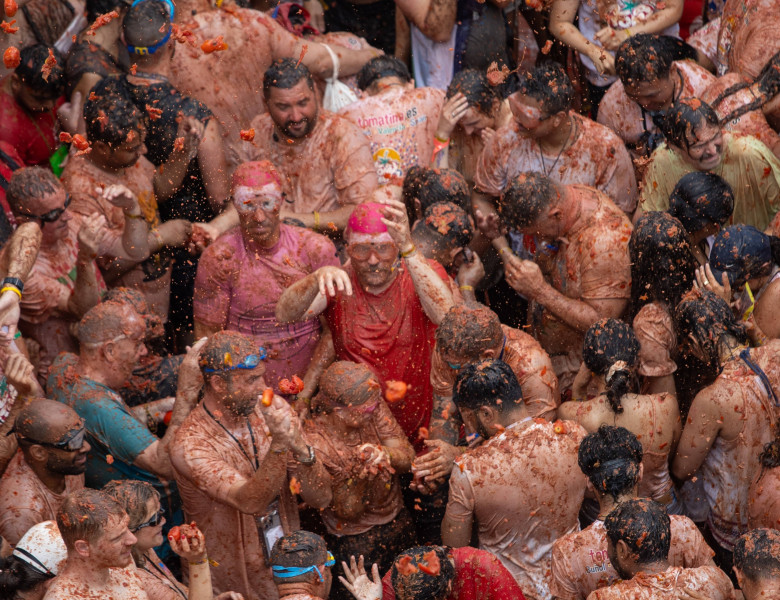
[[32, 135], [710, 581]]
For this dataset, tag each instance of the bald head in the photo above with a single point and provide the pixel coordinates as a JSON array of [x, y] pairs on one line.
[[46, 421], [108, 321]]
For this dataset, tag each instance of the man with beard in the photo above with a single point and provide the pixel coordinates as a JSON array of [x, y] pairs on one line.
[[325, 161], [50, 466], [231, 458], [94, 528], [638, 540]]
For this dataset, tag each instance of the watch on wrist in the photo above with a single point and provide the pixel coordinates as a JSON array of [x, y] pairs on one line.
[[14, 281], [309, 460]]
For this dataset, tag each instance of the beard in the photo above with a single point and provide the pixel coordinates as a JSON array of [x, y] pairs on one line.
[[309, 125]]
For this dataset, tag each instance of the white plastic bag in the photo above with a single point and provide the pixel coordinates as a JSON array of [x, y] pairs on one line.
[[337, 94]]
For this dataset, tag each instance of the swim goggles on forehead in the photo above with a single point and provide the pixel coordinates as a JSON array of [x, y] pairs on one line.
[[250, 362], [144, 50], [287, 572]]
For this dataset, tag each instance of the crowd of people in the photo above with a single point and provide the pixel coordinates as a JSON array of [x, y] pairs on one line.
[[376, 299]]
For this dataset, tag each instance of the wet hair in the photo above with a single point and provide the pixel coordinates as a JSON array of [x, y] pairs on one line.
[[110, 114], [30, 70], [610, 349], [700, 199], [225, 349], [286, 73], [29, 184], [647, 57], [133, 495], [770, 456], [420, 584], [662, 265], [85, 514], [443, 185], [757, 554], [683, 118], [549, 85], [447, 225], [299, 549], [95, 8], [768, 87], [16, 577], [379, 67], [643, 525], [525, 198], [708, 318], [102, 323], [474, 85], [348, 383], [146, 23], [467, 332], [610, 459], [490, 383]]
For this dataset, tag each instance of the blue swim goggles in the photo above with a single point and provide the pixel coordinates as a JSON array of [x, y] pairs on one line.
[[286, 572], [250, 362], [145, 50]]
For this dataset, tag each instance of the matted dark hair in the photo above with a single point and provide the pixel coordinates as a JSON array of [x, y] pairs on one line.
[[286, 73], [643, 525], [16, 576], [30, 70], [110, 114], [701, 198], [379, 67], [684, 117], [443, 185], [610, 459], [646, 57], [549, 85], [146, 23], [768, 87], [662, 264], [420, 584], [95, 8], [446, 225], [490, 383], [757, 554], [607, 342], [525, 198], [85, 514], [708, 318], [467, 332], [29, 183], [474, 85]]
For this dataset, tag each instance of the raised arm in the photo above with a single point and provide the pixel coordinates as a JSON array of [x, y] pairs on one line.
[[562, 26], [307, 297], [434, 293], [134, 241], [19, 260], [434, 18]]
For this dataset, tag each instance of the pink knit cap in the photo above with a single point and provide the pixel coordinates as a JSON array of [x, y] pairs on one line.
[[256, 174]]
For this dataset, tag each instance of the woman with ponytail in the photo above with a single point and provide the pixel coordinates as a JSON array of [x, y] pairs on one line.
[[744, 270], [610, 355]]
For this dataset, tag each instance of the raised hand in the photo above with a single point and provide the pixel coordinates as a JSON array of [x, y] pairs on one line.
[[452, 112], [121, 196], [331, 279], [358, 583], [92, 233]]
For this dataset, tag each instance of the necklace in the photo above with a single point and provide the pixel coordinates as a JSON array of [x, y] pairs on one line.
[[163, 576], [255, 462], [572, 128], [153, 76]]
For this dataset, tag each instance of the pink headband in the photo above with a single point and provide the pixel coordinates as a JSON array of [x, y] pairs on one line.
[[256, 174]]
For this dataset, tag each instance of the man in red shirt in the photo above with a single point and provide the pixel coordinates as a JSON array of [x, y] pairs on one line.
[[27, 105], [382, 311], [435, 573]]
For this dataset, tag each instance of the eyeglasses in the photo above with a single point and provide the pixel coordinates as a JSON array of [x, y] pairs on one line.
[[384, 251], [287, 572], [72, 442], [49, 217], [250, 362], [153, 522]]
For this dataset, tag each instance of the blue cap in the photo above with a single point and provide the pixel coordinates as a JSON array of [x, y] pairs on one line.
[[741, 251]]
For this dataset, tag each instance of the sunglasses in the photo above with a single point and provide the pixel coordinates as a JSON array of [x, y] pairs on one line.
[[153, 522], [384, 251], [49, 217], [72, 442], [250, 362]]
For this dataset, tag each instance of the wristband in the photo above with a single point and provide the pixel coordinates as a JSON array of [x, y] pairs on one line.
[[506, 249], [467, 288], [14, 281], [439, 145], [441, 141], [316, 220], [132, 216], [10, 288], [156, 233], [200, 562], [409, 252]]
